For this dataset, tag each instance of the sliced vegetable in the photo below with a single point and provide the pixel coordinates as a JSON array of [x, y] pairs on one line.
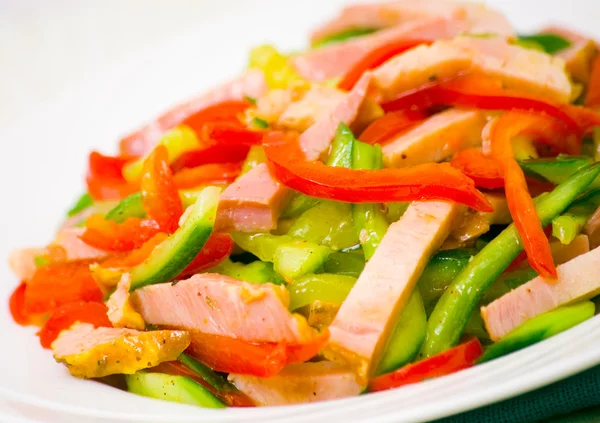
[[570, 224], [208, 174], [255, 272], [442, 364], [429, 181], [325, 287], [81, 204], [131, 206], [484, 171], [278, 71], [556, 169], [229, 111], [342, 147], [348, 264], [105, 180], [63, 318], [255, 156], [345, 35], [540, 328], [217, 248], [211, 155], [550, 43], [17, 305], [175, 254], [299, 258], [592, 98], [452, 311], [391, 125], [181, 389]]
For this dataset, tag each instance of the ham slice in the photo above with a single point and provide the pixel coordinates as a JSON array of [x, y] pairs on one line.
[[334, 61], [300, 384], [120, 311], [253, 203], [317, 104], [316, 140], [69, 239], [360, 330], [251, 84], [577, 281], [532, 71], [220, 305], [384, 15], [92, 352], [578, 57], [437, 138]]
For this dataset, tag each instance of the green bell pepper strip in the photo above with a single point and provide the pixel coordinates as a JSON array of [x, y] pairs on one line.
[[394, 211], [259, 123], [349, 264], [407, 337], [174, 254], [506, 283], [370, 222], [82, 203], [324, 287], [550, 43], [342, 148], [298, 205], [452, 311], [214, 379], [180, 389], [255, 156], [342, 36], [540, 328], [557, 169], [298, 258], [570, 224], [256, 272], [439, 273]]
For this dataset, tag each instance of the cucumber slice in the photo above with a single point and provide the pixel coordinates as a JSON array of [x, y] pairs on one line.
[[299, 258]]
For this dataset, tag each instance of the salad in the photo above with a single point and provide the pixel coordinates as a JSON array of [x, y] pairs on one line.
[[414, 194]]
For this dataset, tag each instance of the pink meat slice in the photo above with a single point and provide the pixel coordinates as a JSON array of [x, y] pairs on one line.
[[300, 384], [334, 61], [251, 84], [69, 239], [529, 70], [384, 15], [437, 138], [577, 281], [22, 262], [253, 203], [220, 305], [316, 140], [361, 328], [318, 103]]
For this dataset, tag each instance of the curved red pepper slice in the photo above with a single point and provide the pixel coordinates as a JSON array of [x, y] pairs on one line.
[[63, 318], [430, 181], [448, 362], [226, 134], [208, 174], [519, 200], [16, 304], [209, 155], [217, 248], [390, 125], [105, 179], [483, 170], [226, 111], [592, 98], [376, 58]]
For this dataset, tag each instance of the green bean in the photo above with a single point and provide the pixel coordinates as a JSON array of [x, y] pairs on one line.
[[323, 287], [570, 224]]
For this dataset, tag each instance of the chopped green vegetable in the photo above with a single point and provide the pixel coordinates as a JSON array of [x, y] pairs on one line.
[[250, 100], [407, 337], [550, 43], [131, 206], [557, 169], [540, 328], [255, 272], [324, 287], [259, 123], [448, 320], [299, 258], [298, 205], [80, 205], [41, 261], [570, 224], [342, 148], [342, 36], [394, 211], [349, 264], [255, 156], [214, 379], [181, 389], [173, 255]]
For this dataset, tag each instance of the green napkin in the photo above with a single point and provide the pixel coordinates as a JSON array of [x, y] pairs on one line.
[[571, 395]]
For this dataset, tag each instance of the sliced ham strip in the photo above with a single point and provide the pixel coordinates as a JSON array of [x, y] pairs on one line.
[[120, 311], [519, 68], [365, 319], [384, 15], [220, 305], [334, 61], [317, 104], [437, 138], [316, 140], [577, 281], [253, 203], [251, 84], [92, 352], [300, 384], [69, 239]]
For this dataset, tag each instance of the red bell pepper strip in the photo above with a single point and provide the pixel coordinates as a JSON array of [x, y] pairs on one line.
[[227, 134], [429, 181], [135, 257], [159, 192], [217, 248], [57, 284], [519, 200], [16, 304], [63, 318], [208, 174], [209, 155], [265, 359], [137, 143], [483, 170], [390, 125], [481, 92], [592, 98], [376, 58], [450, 361], [107, 235], [105, 179]]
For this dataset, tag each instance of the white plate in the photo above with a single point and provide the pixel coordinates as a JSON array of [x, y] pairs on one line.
[[41, 173]]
